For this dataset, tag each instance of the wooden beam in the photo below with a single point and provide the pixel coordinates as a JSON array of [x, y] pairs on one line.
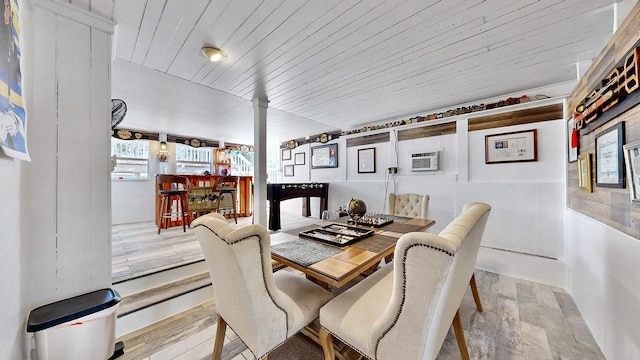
[[368, 139], [544, 113], [427, 131]]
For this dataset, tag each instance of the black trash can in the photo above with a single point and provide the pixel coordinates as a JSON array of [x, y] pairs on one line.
[[81, 327]]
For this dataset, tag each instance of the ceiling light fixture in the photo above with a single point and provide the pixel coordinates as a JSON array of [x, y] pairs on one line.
[[213, 54]]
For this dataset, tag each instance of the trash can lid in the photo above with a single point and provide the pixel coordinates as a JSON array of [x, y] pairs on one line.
[[59, 312]]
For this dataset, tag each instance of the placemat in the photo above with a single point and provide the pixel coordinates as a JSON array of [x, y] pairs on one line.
[[304, 252]]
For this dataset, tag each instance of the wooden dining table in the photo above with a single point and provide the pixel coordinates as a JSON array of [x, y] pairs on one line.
[[340, 265]]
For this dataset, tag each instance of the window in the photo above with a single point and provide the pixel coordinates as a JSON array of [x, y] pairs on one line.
[[193, 161], [242, 163], [131, 159]]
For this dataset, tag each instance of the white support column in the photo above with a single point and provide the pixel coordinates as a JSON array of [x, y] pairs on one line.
[[462, 150], [260, 160]]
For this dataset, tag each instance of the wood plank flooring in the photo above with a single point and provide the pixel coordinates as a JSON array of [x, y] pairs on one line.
[[138, 250], [521, 319]]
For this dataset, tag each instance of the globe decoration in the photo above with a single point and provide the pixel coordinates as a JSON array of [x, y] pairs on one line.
[[356, 209]]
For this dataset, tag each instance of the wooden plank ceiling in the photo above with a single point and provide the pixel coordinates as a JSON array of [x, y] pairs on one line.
[[331, 64]]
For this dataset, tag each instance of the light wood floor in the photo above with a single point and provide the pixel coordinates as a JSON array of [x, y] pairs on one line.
[[521, 319], [138, 250]]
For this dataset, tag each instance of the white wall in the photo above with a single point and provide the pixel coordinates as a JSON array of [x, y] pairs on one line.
[[525, 233], [15, 279], [55, 222], [604, 280], [135, 200]]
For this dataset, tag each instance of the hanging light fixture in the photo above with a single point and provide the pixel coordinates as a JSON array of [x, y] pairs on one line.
[[163, 141], [213, 54]]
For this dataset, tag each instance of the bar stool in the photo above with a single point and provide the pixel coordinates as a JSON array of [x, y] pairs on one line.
[[172, 187], [226, 185]]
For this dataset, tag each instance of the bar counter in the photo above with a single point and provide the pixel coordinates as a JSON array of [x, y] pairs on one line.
[[201, 187]]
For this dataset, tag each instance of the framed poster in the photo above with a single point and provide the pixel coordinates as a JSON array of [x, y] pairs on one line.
[[288, 170], [286, 154], [325, 156], [609, 157], [367, 160], [13, 115], [584, 172], [572, 140], [511, 147], [632, 161], [298, 159]]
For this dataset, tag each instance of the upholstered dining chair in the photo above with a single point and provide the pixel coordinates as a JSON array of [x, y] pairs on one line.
[[275, 265], [414, 205], [409, 205], [405, 309], [264, 309]]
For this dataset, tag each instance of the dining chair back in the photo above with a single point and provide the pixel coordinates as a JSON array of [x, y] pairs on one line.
[[408, 205], [264, 309], [405, 309]]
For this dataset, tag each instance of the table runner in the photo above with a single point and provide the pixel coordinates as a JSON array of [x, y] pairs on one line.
[[304, 252]]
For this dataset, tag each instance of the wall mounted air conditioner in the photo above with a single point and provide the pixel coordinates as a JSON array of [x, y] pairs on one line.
[[427, 161]]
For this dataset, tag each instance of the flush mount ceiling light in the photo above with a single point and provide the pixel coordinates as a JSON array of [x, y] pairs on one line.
[[213, 54]]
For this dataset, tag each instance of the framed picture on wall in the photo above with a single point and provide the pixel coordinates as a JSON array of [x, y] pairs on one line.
[[298, 159], [609, 157], [511, 147], [325, 156], [288, 170], [584, 172], [286, 154], [367, 160], [572, 141], [632, 161]]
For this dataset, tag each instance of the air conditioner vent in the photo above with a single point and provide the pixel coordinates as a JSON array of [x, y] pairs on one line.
[[427, 161]]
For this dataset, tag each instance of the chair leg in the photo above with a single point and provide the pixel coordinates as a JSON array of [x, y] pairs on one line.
[[182, 211], [161, 214], [167, 212], [233, 199], [327, 344], [474, 291], [218, 203], [457, 329], [217, 347]]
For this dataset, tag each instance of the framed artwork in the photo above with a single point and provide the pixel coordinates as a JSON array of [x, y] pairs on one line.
[[298, 159], [609, 157], [286, 154], [288, 170], [572, 140], [13, 114], [325, 156], [367, 160], [584, 172], [632, 161], [511, 147]]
